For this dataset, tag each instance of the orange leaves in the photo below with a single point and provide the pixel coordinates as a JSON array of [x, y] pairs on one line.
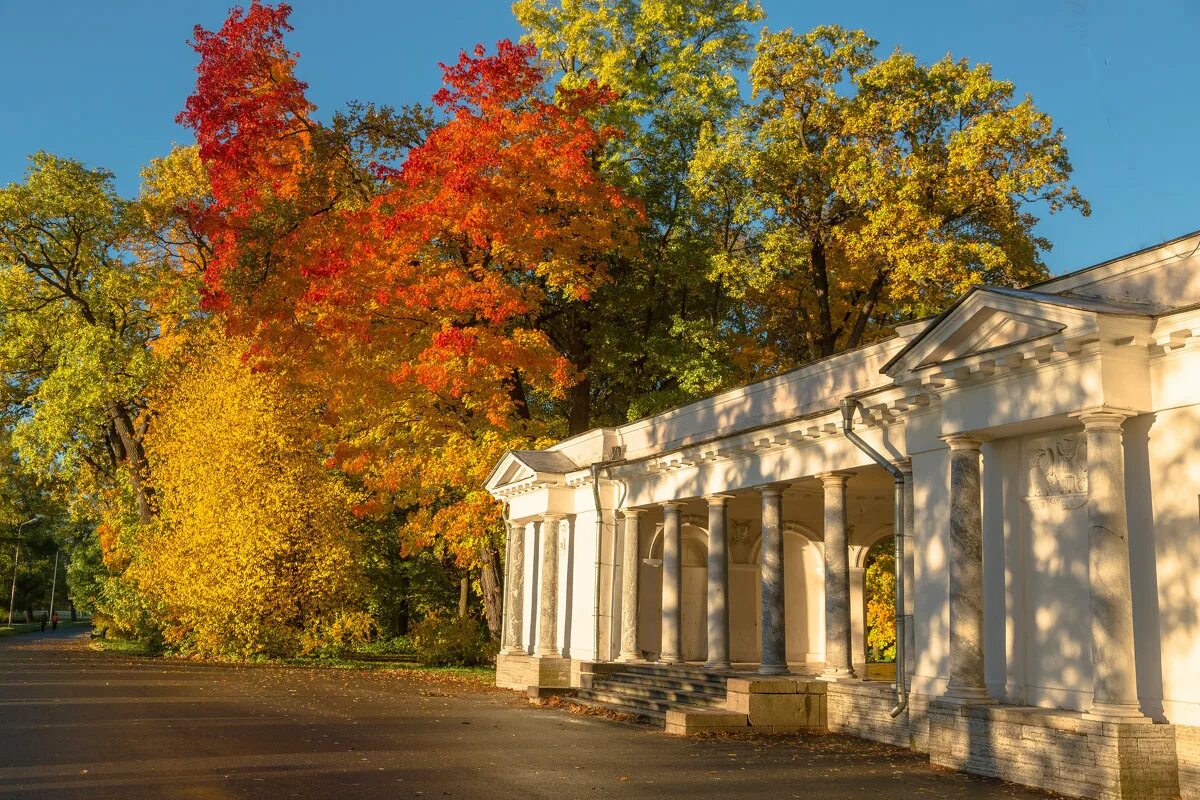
[[410, 308]]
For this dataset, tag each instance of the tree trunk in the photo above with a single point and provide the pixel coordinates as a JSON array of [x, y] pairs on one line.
[[463, 586], [135, 456], [493, 590], [580, 413]]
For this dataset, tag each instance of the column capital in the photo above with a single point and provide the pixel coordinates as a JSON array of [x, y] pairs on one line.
[[834, 479], [672, 504], [964, 441], [771, 491], [903, 464], [517, 525], [1103, 417], [552, 518], [717, 499], [632, 513]]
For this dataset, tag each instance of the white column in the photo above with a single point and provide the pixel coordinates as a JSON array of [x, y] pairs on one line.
[[773, 660], [514, 595], [548, 610], [672, 578], [1115, 678], [837, 578], [718, 583], [630, 566], [966, 571]]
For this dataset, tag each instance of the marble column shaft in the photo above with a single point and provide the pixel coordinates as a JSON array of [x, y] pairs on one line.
[[773, 659], [1115, 676], [966, 571], [910, 515], [718, 583], [548, 605], [837, 578], [515, 588], [630, 565], [672, 579]]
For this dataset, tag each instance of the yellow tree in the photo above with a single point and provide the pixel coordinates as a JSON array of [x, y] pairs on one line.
[[870, 190], [254, 548]]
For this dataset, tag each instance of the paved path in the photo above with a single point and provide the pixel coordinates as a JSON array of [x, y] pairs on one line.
[[75, 723]]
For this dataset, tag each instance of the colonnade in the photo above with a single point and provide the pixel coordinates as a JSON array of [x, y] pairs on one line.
[[1115, 685]]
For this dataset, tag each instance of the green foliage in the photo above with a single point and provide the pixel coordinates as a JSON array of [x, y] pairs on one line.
[[444, 641]]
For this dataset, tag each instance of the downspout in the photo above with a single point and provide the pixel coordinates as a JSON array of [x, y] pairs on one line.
[[596, 468], [849, 406]]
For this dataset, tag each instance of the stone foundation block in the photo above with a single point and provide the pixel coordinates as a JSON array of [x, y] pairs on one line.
[[693, 721], [1057, 750], [777, 704], [520, 671]]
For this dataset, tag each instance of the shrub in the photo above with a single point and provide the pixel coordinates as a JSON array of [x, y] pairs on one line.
[[453, 641]]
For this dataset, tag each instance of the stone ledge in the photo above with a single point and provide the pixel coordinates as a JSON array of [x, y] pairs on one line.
[[693, 721], [778, 704]]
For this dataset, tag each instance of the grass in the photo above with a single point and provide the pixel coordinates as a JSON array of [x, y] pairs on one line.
[[135, 648], [35, 627]]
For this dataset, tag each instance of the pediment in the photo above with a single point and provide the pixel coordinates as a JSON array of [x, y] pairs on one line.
[[990, 329], [987, 321], [519, 466]]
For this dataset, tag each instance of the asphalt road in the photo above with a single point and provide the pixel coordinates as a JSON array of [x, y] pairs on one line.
[[75, 723]]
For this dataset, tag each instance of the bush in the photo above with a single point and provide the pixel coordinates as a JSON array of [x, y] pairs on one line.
[[454, 641]]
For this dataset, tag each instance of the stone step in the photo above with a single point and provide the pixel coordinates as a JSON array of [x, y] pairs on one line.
[[694, 674], [659, 694], [633, 705], [679, 684]]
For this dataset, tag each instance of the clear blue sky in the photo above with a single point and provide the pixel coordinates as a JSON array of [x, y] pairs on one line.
[[102, 82]]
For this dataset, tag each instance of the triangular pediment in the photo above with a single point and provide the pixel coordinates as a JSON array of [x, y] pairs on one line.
[[518, 466], [991, 321], [989, 329]]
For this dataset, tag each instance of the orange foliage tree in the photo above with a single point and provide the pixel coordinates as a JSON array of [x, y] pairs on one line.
[[406, 306]]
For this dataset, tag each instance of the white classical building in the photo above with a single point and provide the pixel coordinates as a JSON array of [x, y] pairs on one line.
[[1042, 449]]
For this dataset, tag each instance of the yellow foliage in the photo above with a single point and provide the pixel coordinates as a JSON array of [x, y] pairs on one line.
[[254, 549]]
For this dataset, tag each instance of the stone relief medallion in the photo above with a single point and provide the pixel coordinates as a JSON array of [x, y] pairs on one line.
[[1057, 473], [742, 533]]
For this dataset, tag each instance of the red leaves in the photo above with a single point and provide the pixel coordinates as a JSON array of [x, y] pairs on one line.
[[408, 310]]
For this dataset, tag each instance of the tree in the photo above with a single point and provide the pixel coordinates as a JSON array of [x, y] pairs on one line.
[[75, 326], [870, 190], [403, 301], [672, 68], [879, 588], [255, 550]]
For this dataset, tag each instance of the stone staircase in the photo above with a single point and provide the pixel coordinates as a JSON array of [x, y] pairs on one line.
[[648, 691]]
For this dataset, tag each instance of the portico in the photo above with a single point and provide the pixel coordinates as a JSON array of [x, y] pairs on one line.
[[1039, 435]]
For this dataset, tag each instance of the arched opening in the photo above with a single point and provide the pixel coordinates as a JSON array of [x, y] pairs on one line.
[[879, 612]]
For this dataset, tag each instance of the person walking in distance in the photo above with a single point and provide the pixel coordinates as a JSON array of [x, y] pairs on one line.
[[54, 621]]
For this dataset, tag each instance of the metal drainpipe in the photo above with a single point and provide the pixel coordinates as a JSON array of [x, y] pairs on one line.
[[596, 469], [849, 406]]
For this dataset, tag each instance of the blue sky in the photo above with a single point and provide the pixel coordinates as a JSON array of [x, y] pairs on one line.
[[102, 82]]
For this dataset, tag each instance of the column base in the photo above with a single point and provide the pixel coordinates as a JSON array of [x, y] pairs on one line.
[[629, 658], [962, 695], [834, 674], [1116, 712], [669, 659], [547, 653], [717, 665], [772, 669]]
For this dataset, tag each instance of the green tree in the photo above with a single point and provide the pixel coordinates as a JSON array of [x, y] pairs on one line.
[[663, 331], [867, 190]]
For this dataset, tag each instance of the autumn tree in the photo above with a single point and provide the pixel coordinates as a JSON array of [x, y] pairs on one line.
[[404, 301], [255, 549], [75, 325], [663, 331], [868, 190]]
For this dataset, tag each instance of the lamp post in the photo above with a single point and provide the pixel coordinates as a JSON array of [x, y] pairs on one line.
[[12, 597], [54, 581]]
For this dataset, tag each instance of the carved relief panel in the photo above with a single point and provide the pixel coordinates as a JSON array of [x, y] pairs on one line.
[[1057, 472]]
